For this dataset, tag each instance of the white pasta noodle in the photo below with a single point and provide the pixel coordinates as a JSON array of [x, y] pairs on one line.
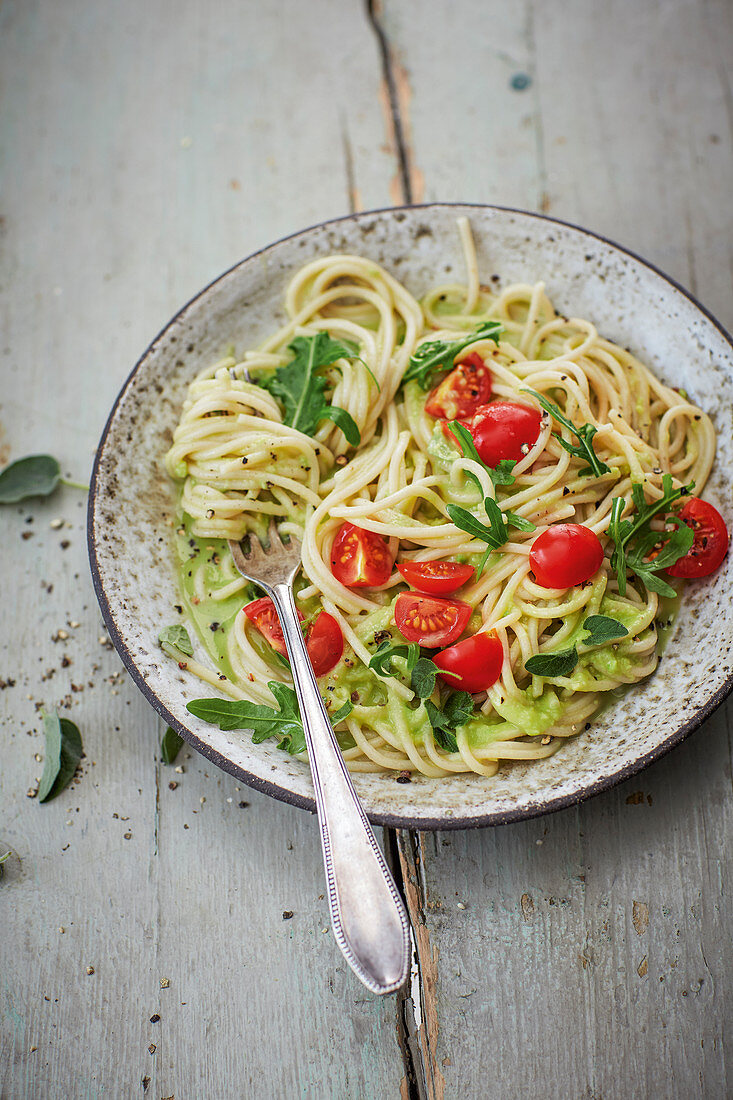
[[240, 464]]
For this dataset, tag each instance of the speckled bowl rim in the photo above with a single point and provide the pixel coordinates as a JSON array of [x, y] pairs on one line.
[[502, 817]]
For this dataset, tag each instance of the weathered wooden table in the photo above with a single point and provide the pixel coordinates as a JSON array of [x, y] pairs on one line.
[[147, 146]]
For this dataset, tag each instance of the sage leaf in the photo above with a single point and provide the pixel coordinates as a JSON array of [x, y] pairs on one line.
[[33, 476], [63, 752], [170, 746], [561, 663], [2, 860], [178, 637], [602, 629]]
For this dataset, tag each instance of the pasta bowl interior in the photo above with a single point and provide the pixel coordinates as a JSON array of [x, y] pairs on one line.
[[136, 536]]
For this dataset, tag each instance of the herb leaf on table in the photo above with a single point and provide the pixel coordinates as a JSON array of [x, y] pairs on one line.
[[33, 476], [284, 723], [302, 390], [634, 541], [584, 434], [170, 746], [436, 356], [63, 752]]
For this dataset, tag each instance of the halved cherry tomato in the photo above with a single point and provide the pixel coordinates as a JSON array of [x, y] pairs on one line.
[[324, 640], [477, 660], [711, 540], [565, 554], [359, 558], [429, 620], [462, 391], [505, 429], [437, 578], [264, 616], [325, 643]]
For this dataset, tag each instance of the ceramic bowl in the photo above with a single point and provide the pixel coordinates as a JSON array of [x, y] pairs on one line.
[[131, 498]]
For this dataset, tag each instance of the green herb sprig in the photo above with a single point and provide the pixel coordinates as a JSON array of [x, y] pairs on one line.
[[436, 356], [584, 434], [302, 390], [175, 640], [284, 723], [32, 476], [63, 752], [601, 630], [634, 541], [457, 710]]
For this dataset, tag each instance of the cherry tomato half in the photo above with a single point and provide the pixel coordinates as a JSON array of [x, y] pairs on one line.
[[462, 391], [359, 558], [437, 578], [504, 429], [430, 620], [264, 616], [324, 640], [477, 660], [325, 643], [711, 540], [565, 554]]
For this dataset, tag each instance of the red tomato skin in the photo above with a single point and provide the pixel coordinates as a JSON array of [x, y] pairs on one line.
[[564, 555], [325, 643], [263, 615], [359, 558], [478, 660], [711, 540], [435, 578], [430, 620], [501, 429], [445, 425], [462, 391]]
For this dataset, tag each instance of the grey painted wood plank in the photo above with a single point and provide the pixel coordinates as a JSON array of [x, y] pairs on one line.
[[151, 147], [587, 954]]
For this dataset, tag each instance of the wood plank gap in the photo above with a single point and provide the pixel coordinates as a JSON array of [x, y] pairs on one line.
[[374, 12], [424, 987], [409, 998]]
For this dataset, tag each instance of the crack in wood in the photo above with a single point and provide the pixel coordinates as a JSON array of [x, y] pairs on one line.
[[395, 87]]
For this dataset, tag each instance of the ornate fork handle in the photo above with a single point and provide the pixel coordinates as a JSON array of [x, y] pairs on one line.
[[368, 917]]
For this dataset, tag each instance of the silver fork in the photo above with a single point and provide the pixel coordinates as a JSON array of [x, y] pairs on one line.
[[368, 918]]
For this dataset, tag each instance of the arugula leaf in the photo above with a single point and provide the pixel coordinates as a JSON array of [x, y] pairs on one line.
[[381, 662], [669, 545], [177, 637], [501, 474], [456, 711], [602, 629], [284, 723], [496, 534], [437, 356], [63, 752], [422, 669], [561, 663], [302, 391], [170, 746], [584, 434], [341, 713]]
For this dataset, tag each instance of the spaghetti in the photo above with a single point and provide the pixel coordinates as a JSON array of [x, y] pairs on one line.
[[241, 464]]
